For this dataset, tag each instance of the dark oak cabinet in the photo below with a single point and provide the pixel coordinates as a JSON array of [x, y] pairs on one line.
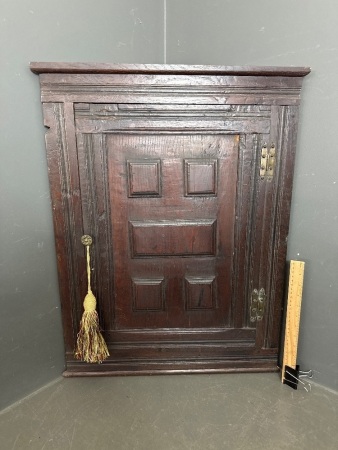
[[182, 175]]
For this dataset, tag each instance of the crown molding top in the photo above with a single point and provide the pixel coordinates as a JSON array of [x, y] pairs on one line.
[[107, 68]]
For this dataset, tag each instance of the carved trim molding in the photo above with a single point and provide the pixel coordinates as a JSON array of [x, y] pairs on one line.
[[184, 89]]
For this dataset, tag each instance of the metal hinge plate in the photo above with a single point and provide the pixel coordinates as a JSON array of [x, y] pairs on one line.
[[257, 305], [268, 162]]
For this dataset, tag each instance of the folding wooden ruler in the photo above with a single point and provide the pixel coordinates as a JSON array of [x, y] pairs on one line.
[[290, 369]]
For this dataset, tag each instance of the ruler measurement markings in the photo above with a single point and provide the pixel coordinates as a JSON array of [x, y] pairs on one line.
[[292, 324]]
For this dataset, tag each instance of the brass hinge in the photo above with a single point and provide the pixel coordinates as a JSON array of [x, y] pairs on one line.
[[268, 162], [257, 305]]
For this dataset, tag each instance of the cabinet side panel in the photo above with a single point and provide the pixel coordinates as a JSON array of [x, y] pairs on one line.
[[65, 193], [286, 137]]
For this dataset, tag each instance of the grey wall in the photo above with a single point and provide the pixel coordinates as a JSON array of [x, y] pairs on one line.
[[264, 32], [31, 343], [288, 32]]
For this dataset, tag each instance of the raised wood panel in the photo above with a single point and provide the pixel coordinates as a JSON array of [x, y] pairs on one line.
[[200, 293], [148, 294], [173, 238], [144, 178], [200, 177], [161, 165]]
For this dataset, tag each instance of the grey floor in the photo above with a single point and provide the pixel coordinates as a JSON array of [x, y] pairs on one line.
[[242, 411]]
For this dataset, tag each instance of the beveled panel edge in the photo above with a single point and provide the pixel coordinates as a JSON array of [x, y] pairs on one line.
[[108, 68]]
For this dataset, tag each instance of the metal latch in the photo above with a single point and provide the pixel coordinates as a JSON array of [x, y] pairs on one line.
[[268, 162], [257, 305]]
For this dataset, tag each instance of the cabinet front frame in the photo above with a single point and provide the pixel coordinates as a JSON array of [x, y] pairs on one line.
[[229, 105]]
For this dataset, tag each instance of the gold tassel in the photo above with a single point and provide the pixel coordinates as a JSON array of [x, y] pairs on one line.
[[91, 346]]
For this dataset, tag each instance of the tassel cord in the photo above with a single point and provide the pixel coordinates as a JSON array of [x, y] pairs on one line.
[[88, 269], [91, 346]]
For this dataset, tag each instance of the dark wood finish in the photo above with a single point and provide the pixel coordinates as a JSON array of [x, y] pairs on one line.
[[174, 237], [161, 166]]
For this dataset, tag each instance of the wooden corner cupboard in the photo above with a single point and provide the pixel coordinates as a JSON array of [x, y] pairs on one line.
[[182, 175]]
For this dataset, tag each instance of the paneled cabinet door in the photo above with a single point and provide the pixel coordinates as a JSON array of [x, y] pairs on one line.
[[184, 221]]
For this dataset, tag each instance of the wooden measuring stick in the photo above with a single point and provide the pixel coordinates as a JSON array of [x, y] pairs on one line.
[[294, 302]]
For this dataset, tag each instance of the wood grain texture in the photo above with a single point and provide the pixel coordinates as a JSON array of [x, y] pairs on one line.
[[170, 89], [161, 166]]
